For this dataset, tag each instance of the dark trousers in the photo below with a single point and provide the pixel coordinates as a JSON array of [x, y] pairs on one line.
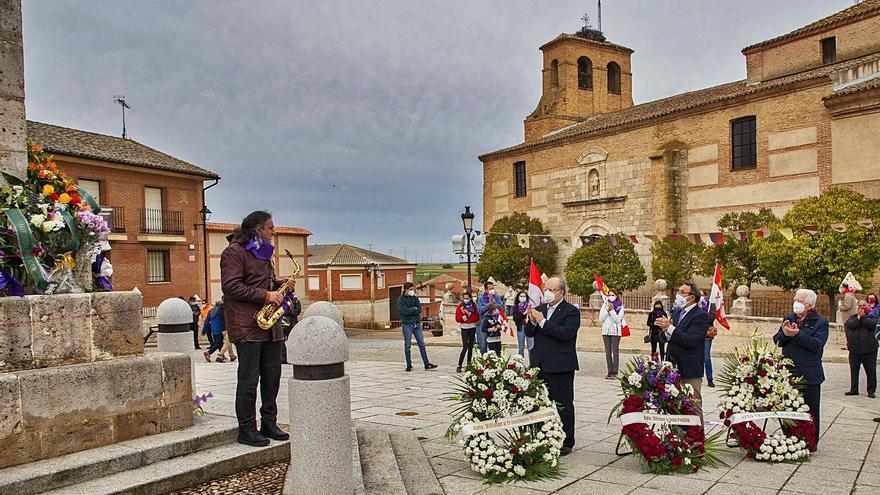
[[468, 338], [561, 389], [812, 394], [258, 363], [287, 329], [216, 342], [868, 360], [210, 337], [494, 347], [195, 330]]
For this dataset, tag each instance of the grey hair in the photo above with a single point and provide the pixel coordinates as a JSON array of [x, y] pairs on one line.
[[561, 281], [809, 296]]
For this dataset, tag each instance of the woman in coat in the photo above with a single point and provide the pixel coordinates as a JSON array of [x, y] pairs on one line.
[[519, 317], [658, 337], [611, 316], [467, 317], [862, 345]]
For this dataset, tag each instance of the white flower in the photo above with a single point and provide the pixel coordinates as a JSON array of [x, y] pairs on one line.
[[519, 470], [634, 379], [37, 220]]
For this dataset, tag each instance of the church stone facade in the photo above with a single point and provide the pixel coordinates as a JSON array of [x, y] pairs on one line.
[[806, 118]]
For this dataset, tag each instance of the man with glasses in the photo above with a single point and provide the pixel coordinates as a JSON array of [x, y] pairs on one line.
[[687, 338]]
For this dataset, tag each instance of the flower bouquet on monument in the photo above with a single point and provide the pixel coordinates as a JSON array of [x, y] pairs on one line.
[[50, 231], [757, 385], [660, 422], [509, 427]]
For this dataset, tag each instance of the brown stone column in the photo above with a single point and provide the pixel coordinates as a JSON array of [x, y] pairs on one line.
[[13, 155]]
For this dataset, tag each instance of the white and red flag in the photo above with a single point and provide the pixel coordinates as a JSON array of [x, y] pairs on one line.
[[536, 286], [716, 298]]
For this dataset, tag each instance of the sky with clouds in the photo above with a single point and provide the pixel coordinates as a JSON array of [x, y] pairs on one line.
[[359, 120]]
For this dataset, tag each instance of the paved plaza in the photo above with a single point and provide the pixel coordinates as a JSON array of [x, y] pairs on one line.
[[384, 395]]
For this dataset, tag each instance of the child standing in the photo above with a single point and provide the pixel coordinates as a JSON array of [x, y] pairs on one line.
[[492, 328]]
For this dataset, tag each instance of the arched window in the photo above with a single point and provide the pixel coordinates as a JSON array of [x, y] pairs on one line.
[[585, 73], [613, 78], [554, 73]]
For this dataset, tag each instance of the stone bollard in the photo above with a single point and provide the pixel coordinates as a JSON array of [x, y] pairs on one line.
[[660, 286], [596, 297], [324, 308], [174, 317], [320, 409], [742, 305]]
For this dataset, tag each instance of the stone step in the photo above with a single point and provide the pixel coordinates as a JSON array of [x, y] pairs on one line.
[[378, 463], [415, 468], [181, 472], [27, 479], [357, 472]]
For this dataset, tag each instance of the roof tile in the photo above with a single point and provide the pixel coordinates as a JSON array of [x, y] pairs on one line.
[[345, 255]]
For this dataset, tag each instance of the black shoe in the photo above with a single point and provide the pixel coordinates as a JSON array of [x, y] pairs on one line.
[[711, 384], [851, 392], [252, 438], [564, 451], [430, 366], [877, 420], [872, 396], [408, 368], [458, 370], [273, 432]]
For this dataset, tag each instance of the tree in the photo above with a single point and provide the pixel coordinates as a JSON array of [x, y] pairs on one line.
[[820, 262], [738, 259], [676, 260], [618, 266], [510, 264]]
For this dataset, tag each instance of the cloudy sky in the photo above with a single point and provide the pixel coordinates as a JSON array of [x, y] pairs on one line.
[[358, 120]]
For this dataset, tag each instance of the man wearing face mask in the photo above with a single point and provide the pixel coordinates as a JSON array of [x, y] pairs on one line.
[[554, 326], [802, 337], [483, 301], [686, 332], [410, 309]]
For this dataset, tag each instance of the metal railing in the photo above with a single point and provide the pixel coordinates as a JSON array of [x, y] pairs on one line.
[[115, 217], [168, 222]]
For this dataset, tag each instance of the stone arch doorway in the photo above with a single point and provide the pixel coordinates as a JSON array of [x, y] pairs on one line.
[[593, 226]]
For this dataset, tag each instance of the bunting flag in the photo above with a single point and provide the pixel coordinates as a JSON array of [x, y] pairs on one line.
[[522, 240], [740, 235], [787, 233], [545, 241], [675, 236], [587, 240], [866, 223], [762, 233], [612, 239], [838, 227], [811, 230], [851, 282], [653, 237], [505, 239], [695, 238], [536, 291], [717, 238], [716, 298], [633, 239]]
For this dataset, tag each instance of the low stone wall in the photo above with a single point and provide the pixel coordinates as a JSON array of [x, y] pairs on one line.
[[740, 326], [43, 331], [49, 412]]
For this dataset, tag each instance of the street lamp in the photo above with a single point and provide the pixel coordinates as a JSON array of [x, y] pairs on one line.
[[206, 214], [467, 220]]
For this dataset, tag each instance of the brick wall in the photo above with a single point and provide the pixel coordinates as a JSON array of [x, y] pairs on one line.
[[124, 186], [393, 277]]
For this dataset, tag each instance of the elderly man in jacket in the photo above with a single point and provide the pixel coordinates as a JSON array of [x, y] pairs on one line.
[[862, 345], [802, 337], [248, 281]]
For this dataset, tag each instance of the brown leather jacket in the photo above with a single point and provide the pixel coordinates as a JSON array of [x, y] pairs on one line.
[[245, 281]]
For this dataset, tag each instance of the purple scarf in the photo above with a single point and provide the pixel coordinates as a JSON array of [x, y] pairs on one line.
[[10, 284], [522, 307], [469, 306], [101, 281], [617, 304], [260, 248]]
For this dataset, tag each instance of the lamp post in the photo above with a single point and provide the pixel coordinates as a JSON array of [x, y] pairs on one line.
[[467, 220], [206, 214]]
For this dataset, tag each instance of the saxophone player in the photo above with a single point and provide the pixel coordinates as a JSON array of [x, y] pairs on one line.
[[248, 281]]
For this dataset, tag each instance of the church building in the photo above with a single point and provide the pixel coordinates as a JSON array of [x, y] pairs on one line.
[[805, 118]]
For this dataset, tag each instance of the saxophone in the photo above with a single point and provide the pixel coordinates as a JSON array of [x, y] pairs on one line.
[[269, 314]]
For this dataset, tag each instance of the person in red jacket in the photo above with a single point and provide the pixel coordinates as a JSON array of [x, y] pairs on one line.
[[467, 316]]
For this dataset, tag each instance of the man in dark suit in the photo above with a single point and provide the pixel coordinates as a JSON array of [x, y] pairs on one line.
[[554, 326], [802, 337], [687, 338]]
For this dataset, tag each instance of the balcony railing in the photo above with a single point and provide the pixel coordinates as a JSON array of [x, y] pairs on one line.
[[167, 222], [115, 217]]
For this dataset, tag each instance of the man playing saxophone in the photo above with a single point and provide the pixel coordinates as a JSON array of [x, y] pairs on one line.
[[248, 281]]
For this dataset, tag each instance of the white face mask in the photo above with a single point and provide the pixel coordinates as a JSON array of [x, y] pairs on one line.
[[491, 292], [680, 301], [523, 299], [798, 307], [549, 296], [612, 298], [410, 292]]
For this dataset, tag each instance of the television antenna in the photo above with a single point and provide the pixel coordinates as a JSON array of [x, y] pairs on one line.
[[121, 100]]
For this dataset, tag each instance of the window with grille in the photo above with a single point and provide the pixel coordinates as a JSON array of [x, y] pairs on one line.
[[829, 50], [585, 73], [744, 143], [158, 265], [519, 178]]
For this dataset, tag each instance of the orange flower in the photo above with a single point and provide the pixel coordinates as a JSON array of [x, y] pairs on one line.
[[52, 166], [36, 147], [64, 198], [32, 166], [48, 190]]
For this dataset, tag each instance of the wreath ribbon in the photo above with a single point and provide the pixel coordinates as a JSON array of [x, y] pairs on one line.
[[26, 246], [507, 423], [74, 230], [754, 416], [674, 419], [89, 199]]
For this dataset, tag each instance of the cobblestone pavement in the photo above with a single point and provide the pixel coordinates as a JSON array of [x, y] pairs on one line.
[[261, 480], [848, 460]]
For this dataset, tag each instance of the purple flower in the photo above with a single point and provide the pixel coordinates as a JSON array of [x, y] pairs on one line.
[[647, 396], [671, 377], [664, 395]]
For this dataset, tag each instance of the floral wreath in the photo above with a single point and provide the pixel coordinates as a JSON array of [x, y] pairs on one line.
[[509, 425], [758, 379], [656, 388]]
